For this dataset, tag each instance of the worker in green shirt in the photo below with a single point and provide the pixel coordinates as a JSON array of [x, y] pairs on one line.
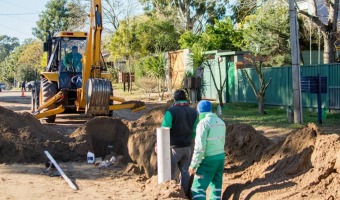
[[182, 121], [72, 60], [208, 159]]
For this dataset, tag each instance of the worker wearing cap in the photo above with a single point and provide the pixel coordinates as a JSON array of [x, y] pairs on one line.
[[72, 60], [208, 158], [182, 121]]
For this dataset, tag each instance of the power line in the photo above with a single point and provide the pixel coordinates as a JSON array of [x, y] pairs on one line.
[[19, 18], [17, 31], [18, 6], [19, 13]]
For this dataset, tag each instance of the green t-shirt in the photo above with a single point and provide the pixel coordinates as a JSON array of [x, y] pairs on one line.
[[73, 60]]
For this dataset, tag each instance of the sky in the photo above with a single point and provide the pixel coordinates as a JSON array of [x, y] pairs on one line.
[[18, 17]]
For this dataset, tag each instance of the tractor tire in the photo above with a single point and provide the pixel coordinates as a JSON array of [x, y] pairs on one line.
[[48, 89]]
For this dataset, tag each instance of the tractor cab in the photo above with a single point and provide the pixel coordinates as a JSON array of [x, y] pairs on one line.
[[65, 55]]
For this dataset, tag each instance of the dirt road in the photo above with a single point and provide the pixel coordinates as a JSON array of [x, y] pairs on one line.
[[27, 181]]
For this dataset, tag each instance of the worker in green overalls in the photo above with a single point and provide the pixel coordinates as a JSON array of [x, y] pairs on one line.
[[208, 159], [72, 60]]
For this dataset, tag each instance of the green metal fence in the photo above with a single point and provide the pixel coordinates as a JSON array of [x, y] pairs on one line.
[[279, 91]]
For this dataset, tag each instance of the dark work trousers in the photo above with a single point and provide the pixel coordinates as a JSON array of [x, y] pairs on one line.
[[181, 157]]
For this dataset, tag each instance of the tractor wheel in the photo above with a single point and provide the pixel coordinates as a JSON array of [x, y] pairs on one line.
[[48, 90]]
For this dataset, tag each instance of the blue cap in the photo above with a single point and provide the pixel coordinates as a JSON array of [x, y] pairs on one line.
[[204, 106]]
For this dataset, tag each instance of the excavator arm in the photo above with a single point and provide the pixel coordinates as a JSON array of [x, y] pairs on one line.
[[133, 105], [96, 86]]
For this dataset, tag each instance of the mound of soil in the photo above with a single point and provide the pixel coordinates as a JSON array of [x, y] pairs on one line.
[[141, 150], [166, 190], [24, 139], [293, 156], [103, 136], [241, 139], [304, 165], [142, 142]]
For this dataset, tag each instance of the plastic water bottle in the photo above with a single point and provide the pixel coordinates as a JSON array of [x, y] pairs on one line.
[[219, 110], [90, 157]]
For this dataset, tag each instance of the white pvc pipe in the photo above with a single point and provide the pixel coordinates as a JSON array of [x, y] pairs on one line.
[[163, 155], [69, 182]]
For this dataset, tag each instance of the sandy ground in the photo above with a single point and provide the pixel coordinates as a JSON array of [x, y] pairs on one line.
[[27, 181], [19, 181], [285, 175]]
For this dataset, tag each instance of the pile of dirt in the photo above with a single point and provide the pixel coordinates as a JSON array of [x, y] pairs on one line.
[[303, 165], [166, 190], [104, 136], [142, 141], [24, 139], [241, 139], [291, 157]]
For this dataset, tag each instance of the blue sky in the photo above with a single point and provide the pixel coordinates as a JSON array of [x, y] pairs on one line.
[[18, 17]]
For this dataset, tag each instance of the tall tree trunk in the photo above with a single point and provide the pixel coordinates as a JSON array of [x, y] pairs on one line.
[[329, 29], [329, 48], [188, 25], [220, 97], [260, 103]]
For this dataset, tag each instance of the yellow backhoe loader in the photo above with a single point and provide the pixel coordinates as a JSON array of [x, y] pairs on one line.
[[75, 78]]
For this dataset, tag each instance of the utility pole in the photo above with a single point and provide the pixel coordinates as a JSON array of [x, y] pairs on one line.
[[295, 51]]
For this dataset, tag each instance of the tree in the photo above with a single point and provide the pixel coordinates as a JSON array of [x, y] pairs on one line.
[[157, 35], [116, 10], [201, 59], [218, 36], [153, 67], [267, 33], [263, 85], [142, 37], [243, 8], [29, 62], [60, 15], [23, 63], [10, 65], [123, 43], [111, 13], [221, 84], [197, 57], [328, 27], [7, 45], [192, 15], [138, 42]]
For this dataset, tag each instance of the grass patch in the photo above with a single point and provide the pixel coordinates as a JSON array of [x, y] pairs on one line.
[[275, 116]]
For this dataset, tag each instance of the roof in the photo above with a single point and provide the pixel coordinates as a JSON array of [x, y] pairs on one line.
[[71, 34]]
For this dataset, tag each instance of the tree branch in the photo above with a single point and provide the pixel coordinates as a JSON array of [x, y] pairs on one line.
[[314, 19], [208, 63], [335, 16], [251, 83]]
